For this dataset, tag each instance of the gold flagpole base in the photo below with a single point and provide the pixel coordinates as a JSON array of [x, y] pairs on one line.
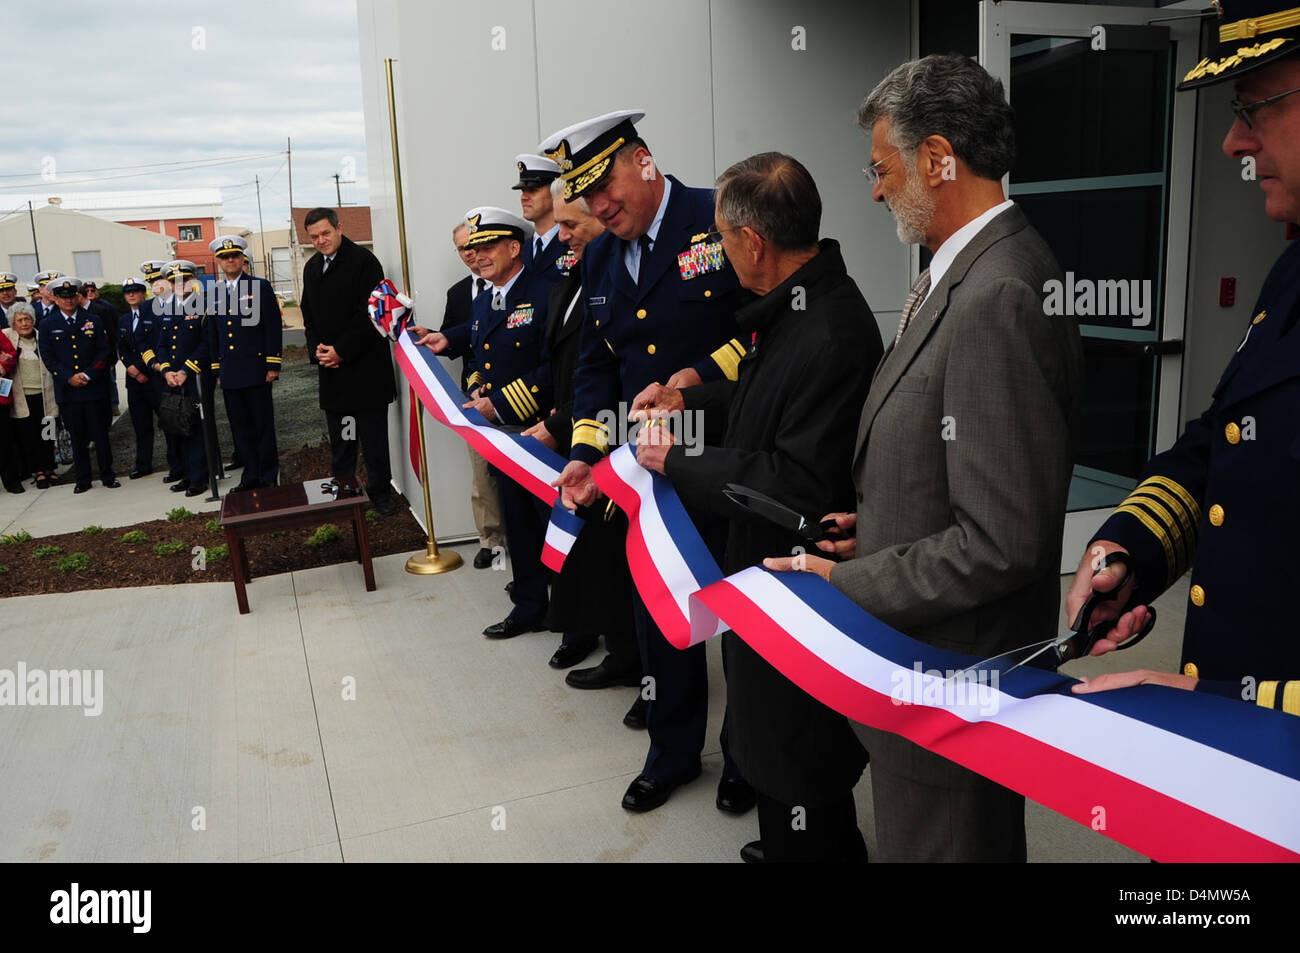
[[433, 561]]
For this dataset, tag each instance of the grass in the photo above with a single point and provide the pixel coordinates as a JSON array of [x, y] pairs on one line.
[[170, 547], [325, 534], [42, 551], [179, 515], [73, 562], [91, 530], [135, 536], [15, 539]]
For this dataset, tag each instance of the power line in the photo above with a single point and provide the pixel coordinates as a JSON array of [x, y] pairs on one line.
[[146, 165], [136, 175]]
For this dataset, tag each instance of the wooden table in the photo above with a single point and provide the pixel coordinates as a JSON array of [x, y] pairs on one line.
[[254, 512]]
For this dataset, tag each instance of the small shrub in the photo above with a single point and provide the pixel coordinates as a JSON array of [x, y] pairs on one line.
[[42, 551], [179, 515], [3, 570], [277, 533], [325, 534], [14, 539], [91, 530], [372, 515], [218, 553], [169, 548], [213, 525], [135, 536], [74, 562]]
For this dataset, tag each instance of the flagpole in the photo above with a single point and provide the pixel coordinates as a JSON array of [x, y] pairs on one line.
[[431, 561]]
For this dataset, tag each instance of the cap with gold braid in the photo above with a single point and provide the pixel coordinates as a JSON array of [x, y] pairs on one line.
[[488, 224], [8, 280], [535, 171], [224, 246], [152, 269], [180, 268], [45, 277], [585, 150], [1251, 33]]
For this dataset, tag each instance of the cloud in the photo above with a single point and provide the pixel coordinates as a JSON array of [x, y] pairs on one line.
[[135, 83]]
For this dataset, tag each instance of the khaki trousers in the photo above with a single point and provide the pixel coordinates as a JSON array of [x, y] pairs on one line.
[[485, 502]]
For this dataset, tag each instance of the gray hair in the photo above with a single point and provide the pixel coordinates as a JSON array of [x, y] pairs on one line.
[[775, 195], [460, 223], [950, 96], [22, 307], [557, 188]]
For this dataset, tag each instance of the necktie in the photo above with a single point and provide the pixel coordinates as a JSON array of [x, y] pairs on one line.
[[644, 243], [325, 266], [479, 285], [537, 247], [135, 320], [914, 299], [498, 300]]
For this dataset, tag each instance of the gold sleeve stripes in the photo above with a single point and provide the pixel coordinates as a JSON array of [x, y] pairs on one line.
[[148, 356], [592, 433], [216, 365], [1171, 515], [521, 402], [474, 380], [728, 358], [1280, 696], [192, 366], [273, 359]]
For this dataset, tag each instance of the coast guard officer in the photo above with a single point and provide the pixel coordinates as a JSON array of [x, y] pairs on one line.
[[244, 350], [511, 380], [1227, 485], [159, 306], [137, 332], [546, 255], [43, 303], [74, 346], [659, 298], [8, 296], [182, 349]]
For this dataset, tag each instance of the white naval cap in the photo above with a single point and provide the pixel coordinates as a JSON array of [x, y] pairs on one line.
[[64, 283], [535, 171], [585, 150], [488, 224], [131, 282], [224, 246]]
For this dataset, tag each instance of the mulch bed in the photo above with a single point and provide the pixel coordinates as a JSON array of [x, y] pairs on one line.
[[113, 563]]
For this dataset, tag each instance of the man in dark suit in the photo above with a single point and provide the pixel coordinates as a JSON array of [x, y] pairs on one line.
[[592, 595], [658, 298], [790, 423], [484, 500], [136, 334], [356, 366], [244, 331], [511, 381], [74, 347], [964, 452]]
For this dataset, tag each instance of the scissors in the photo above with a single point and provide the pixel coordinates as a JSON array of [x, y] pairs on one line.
[[1078, 640], [778, 513]]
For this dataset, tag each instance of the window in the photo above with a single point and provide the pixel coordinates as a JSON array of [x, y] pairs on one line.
[[191, 233], [86, 264], [24, 266]]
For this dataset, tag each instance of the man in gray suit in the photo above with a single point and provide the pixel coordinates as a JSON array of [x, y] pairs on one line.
[[964, 449]]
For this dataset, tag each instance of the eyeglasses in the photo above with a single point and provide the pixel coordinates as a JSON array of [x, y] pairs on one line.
[[715, 234], [872, 172], [1243, 110]]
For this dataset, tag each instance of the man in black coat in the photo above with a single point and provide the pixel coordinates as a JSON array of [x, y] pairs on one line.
[[791, 419], [356, 367], [485, 498], [593, 594]]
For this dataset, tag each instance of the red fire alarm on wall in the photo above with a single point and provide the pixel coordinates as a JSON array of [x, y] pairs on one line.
[[1227, 292]]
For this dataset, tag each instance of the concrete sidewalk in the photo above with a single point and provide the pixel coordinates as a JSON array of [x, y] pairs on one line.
[[336, 724]]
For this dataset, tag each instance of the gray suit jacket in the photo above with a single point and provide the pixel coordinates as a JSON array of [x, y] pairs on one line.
[[959, 540]]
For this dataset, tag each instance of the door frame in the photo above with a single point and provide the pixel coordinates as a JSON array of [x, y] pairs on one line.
[[997, 23]]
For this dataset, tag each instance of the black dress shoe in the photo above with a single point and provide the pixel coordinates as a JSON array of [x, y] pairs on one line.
[[141, 472], [387, 505], [603, 675], [646, 794], [735, 796], [483, 558], [635, 717], [81, 488], [198, 489], [235, 464], [570, 654], [752, 853], [509, 627], [180, 486], [112, 483], [244, 487], [17, 487], [173, 477]]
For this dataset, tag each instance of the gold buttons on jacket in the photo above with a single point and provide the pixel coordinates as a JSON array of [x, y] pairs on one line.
[[650, 349], [1191, 671], [1197, 595], [516, 344], [487, 347], [1233, 433], [1216, 515], [1260, 317], [708, 294], [640, 312], [487, 367]]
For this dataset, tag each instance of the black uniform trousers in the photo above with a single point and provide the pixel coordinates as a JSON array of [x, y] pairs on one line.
[[371, 432], [792, 833], [525, 518], [141, 403], [252, 424], [87, 423], [191, 456], [175, 461]]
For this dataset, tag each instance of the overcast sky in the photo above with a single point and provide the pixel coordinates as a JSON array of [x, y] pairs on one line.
[[133, 83]]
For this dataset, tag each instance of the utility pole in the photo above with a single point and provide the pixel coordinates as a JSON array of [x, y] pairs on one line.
[[338, 195], [293, 228], [36, 248], [261, 231]]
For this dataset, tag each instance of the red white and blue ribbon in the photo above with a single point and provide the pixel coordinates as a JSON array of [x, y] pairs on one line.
[[525, 460]]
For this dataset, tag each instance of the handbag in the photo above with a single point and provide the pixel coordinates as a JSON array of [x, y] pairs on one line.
[[178, 415], [63, 445]]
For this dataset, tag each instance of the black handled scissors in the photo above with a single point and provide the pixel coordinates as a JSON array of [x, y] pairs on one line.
[[1083, 634], [778, 513]]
